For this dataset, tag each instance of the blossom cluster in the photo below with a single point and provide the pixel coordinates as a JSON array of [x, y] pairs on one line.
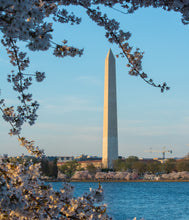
[[24, 196], [86, 175]]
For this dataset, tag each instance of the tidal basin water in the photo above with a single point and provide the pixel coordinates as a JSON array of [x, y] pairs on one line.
[[150, 200]]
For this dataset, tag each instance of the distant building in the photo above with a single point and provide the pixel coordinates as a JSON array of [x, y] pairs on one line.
[[151, 159], [96, 163], [83, 160], [64, 159], [87, 158]]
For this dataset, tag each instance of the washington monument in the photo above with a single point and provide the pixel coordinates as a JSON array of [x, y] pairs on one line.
[[110, 140]]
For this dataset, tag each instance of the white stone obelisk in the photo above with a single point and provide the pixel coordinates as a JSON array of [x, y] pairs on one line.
[[110, 139]]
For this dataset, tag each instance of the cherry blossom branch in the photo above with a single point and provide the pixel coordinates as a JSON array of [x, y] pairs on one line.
[[19, 74], [131, 58], [65, 50], [119, 37], [10, 117]]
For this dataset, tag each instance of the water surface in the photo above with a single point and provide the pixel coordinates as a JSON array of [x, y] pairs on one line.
[[150, 200]]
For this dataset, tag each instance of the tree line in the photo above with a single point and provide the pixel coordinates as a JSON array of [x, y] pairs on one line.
[[132, 163], [144, 166], [49, 168]]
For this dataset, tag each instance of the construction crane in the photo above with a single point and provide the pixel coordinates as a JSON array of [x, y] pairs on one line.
[[163, 152]]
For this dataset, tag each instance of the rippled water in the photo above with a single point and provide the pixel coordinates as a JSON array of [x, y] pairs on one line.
[[152, 201]]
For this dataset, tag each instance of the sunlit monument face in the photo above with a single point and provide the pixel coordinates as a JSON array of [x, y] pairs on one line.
[[110, 140]]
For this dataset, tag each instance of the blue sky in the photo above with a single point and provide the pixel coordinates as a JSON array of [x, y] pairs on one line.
[[71, 97]]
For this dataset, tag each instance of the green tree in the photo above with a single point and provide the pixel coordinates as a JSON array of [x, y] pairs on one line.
[[121, 165], [49, 168], [154, 167], [130, 161], [69, 168], [53, 169], [140, 166], [91, 168], [118, 164], [187, 156], [182, 165], [125, 164], [45, 167], [169, 166]]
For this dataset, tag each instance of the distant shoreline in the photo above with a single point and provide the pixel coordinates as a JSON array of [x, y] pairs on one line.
[[125, 181], [129, 181]]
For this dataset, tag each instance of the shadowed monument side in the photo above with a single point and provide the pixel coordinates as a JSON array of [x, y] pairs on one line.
[[110, 139]]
